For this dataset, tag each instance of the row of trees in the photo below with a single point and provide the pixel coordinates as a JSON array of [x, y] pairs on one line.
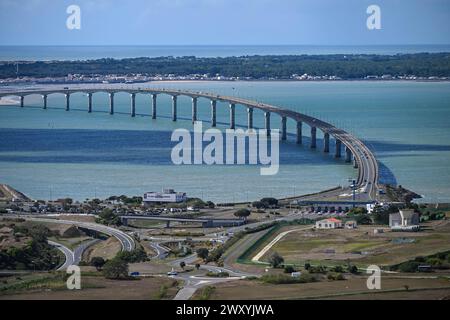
[[348, 66]]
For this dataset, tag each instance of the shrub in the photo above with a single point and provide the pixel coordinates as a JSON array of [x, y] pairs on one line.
[[242, 213], [289, 269], [137, 255], [276, 260], [203, 253], [409, 266], [115, 269], [97, 262], [285, 279], [338, 269], [352, 269]]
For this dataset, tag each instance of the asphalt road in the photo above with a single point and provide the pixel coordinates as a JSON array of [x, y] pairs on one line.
[[70, 257], [125, 240]]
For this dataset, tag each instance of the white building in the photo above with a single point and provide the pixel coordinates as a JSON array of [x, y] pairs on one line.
[[167, 196], [331, 223], [405, 219]]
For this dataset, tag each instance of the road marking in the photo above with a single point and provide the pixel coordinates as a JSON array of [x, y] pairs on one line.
[[260, 254]]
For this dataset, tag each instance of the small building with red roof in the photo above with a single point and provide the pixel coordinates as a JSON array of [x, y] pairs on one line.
[[330, 223]]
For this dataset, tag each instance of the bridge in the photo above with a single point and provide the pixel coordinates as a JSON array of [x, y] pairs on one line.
[[206, 222], [355, 150]]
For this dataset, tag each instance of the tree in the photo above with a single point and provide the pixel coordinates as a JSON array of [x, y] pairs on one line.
[[108, 217], [275, 260], [203, 253], [242, 213], [136, 255], [97, 262], [182, 264], [259, 205], [307, 266], [115, 269], [269, 201]]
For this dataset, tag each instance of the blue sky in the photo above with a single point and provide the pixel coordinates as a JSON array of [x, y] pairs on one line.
[[219, 22]]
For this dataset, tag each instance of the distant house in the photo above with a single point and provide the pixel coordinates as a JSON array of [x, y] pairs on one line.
[[331, 223], [404, 220], [351, 224]]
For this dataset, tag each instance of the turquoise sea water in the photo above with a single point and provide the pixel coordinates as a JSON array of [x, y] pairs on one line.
[[54, 153]]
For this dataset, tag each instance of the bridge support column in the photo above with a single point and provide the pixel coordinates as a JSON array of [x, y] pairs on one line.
[[283, 128], [267, 121], [67, 101], [299, 132], [111, 103], [174, 108], [313, 137], [89, 95], [194, 109], [232, 116], [348, 154], [133, 104], [213, 113], [326, 142], [250, 118], [168, 224], [355, 163], [21, 101], [154, 106], [338, 149], [44, 99]]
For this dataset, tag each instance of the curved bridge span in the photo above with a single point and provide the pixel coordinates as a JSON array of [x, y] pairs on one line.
[[355, 150]]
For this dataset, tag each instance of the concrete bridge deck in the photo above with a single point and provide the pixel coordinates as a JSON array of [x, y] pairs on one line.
[[355, 150]]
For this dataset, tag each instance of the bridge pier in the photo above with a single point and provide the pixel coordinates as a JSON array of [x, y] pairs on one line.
[[313, 137], [133, 104], [21, 101], [283, 128], [299, 132], [67, 101], [154, 106], [250, 118], [338, 149], [326, 142], [44, 98], [174, 108], [355, 163], [213, 113], [232, 115], [111, 103], [267, 121], [89, 95], [194, 109], [348, 154], [168, 224]]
